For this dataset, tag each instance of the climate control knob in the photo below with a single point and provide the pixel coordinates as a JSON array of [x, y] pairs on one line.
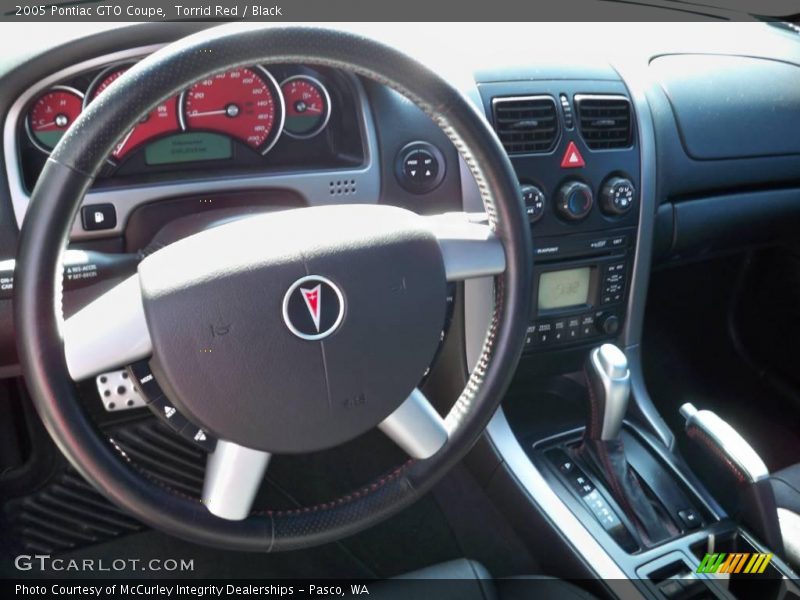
[[534, 200], [617, 196], [574, 200]]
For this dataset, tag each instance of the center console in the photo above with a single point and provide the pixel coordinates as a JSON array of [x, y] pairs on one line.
[[630, 511], [575, 148]]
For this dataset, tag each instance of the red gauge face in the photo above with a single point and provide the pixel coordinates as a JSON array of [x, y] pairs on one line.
[[307, 106], [241, 103], [51, 115], [161, 120]]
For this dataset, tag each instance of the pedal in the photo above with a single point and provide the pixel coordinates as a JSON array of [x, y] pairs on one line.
[[117, 391]]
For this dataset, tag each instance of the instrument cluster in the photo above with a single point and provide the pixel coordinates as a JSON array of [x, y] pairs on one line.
[[236, 117]]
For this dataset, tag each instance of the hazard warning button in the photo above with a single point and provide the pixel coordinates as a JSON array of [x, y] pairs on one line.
[[572, 158]]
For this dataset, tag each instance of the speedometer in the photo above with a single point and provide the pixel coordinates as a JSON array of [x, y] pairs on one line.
[[243, 103], [161, 120]]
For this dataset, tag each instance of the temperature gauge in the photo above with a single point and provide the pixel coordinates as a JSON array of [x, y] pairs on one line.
[[51, 115], [308, 106]]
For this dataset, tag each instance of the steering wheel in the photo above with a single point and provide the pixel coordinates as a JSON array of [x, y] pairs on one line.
[[309, 299]]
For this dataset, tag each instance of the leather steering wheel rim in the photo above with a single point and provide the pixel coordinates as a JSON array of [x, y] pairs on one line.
[[56, 200]]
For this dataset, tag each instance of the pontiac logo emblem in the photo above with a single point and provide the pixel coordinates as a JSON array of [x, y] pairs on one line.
[[311, 296], [313, 307]]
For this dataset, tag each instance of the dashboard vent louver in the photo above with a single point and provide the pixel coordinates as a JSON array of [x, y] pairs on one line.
[[526, 124], [604, 121]]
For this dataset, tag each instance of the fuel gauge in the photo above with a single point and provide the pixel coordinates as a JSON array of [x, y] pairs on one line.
[[308, 106]]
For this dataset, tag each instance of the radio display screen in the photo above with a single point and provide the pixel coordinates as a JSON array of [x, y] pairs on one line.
[[562, 289]]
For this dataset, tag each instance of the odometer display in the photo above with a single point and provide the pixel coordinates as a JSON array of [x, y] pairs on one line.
[[308, 106], [51, 115], [243, 103], [163, 119]]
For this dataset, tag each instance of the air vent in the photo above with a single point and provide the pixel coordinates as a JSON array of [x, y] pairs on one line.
[[605, 121], [526, 125]]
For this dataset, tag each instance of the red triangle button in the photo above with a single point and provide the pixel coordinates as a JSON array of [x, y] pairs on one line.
[[572, 158]]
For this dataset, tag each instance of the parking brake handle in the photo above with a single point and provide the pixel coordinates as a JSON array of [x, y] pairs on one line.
[[757, 508]]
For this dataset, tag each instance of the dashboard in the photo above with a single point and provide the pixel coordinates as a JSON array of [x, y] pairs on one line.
[[249, 122], [577, 128]]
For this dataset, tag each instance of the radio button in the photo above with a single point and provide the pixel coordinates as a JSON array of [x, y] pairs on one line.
[[573, 328], [587, 326], [559, 331], [543, 334], [615, 268], [599, 243], [619, 241]]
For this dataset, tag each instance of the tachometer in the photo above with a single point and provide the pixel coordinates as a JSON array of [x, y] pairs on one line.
[[243, 103], [161, 120], [51, 115], [308, 106]]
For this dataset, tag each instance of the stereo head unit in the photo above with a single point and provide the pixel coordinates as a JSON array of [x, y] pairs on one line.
[[579, 301]]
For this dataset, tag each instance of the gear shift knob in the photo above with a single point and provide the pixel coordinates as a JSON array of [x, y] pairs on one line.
[[609, 383]]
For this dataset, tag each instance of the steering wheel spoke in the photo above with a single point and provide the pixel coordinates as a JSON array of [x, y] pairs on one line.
[[233, 477], [416, 427], [109, 332], [469, 246]]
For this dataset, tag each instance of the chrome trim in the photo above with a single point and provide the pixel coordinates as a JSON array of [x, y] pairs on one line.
[[469, 249], [729, 441], [28, 131], [609, 365], [233, 477], [270, 81], [634, 79], [19, 197], [416, 427], [790, 530], [478, 301], [550, 505], [329, 106], [108, 332], [288, 296], [314, 186], [101, 77]]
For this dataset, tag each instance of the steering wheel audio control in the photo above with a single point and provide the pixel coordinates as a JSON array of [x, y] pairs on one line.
[[420, 167], [534, 200], [158, 403], [617, 196], [574, 200]]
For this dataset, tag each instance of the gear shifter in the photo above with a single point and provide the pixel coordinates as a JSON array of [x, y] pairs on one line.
[[609, 387], [608, 381]]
